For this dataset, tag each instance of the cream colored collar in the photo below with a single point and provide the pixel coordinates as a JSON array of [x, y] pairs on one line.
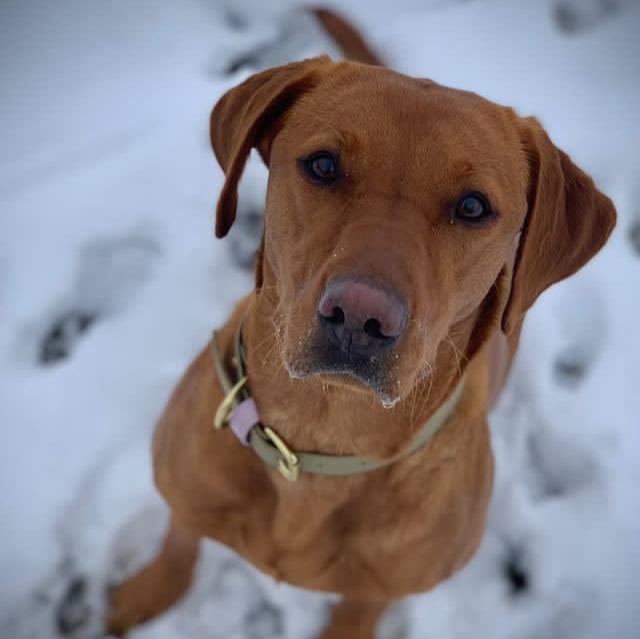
[[238, 411]]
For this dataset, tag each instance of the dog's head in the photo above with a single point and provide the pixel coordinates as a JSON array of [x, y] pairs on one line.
[[399, 213]]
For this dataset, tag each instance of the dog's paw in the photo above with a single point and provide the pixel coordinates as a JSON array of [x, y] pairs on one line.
[[144, 596], [128, 606]]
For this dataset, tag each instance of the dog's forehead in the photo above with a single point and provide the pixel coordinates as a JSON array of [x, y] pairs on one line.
[[384, 113]]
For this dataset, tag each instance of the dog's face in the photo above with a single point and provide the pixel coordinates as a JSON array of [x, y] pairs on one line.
[[394, 212], [391, 211]]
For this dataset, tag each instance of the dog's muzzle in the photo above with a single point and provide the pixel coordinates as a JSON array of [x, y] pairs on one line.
[[359, 324]]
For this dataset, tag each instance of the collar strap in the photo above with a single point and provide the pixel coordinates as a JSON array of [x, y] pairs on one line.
[[238, 410]]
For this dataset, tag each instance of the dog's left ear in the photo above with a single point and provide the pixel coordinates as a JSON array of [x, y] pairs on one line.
[[568, 221], [243, 119]]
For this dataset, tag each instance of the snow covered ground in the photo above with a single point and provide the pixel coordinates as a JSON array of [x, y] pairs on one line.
[[110, 281]]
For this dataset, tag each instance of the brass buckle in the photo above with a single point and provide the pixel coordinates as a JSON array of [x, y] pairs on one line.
[[288, 464], [227, 404]]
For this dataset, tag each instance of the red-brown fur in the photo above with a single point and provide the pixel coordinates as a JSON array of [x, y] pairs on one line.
[[409, 148]]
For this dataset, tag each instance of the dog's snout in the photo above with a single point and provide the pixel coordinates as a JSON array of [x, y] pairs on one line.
[[361, 317]]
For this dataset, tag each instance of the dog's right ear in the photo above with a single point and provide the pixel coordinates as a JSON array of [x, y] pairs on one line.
[[568, 222], [243, 119]]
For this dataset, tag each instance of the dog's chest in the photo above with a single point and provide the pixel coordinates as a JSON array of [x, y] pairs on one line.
[[335, 537]]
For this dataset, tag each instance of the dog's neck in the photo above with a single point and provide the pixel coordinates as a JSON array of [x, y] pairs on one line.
[[315, 415]]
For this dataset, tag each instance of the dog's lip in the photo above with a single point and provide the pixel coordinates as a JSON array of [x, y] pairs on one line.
[[350, 379], [346, 379]]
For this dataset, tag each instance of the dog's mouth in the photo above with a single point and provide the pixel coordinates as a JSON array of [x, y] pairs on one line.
[[358, 339], [377, 372]]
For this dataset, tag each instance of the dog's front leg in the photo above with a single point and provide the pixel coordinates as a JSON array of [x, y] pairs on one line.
[[157, 586], [354, 619]]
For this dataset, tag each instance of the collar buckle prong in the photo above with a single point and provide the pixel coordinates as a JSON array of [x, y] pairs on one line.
[[228, 404], [289, 463]]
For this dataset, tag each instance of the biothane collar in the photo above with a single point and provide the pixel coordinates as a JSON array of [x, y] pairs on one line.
[[238, 411]]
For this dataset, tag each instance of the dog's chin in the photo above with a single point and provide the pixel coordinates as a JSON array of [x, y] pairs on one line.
[[357, 374]]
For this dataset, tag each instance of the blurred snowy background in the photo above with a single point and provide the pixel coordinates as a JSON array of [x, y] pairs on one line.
[[110, 281]]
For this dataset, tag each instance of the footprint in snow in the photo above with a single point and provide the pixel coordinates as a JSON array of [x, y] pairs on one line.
[[235, 19], [560, 464], [61, 606], [583, 321], [516, 571], [634, 236], [110, 272], [245, 236], [575, 16], [74, 610], [298, 34], [63, 333]]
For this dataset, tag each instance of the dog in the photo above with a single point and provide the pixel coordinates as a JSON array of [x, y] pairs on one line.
[[408, 229]]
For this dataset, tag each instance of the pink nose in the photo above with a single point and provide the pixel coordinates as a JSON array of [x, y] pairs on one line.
[[360, 315]]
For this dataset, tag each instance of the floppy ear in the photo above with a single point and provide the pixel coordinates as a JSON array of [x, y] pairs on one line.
[[567, 223], [241, 119]]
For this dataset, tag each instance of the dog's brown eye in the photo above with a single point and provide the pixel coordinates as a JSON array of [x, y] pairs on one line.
[[473, 209], [322, 167]]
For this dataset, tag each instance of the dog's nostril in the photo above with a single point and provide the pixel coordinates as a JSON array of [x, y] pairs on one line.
[[373, 329], [336, 317], [359, 318]]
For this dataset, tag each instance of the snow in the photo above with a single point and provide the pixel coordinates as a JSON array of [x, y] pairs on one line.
[[107, 194]]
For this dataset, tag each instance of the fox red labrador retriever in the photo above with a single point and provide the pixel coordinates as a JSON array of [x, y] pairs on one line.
[[408, 229]]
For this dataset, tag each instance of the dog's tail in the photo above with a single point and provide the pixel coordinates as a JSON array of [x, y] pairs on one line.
[[345, 35]]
